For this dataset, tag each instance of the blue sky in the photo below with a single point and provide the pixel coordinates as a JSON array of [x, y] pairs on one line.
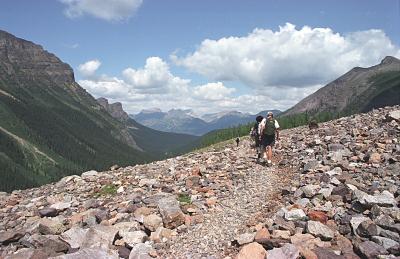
[[207, 55]]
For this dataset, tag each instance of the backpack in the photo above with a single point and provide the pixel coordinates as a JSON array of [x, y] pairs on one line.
[[269, 127], [254, 132]]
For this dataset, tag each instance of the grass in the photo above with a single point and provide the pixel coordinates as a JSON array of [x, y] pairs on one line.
[[109, 189], [184, 198]]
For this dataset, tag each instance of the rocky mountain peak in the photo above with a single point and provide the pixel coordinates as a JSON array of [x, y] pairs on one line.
[[390, 60], [115, 109], [31, 61]]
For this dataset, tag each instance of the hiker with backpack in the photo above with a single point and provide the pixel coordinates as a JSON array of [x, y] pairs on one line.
[[269, 132], [256, 137]]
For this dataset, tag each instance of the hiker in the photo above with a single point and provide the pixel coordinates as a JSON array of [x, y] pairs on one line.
[[237, 141], [256, 137], [269, 132]]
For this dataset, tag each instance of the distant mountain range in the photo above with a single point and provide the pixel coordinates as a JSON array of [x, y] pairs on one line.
[[184, 121], [51, 127], [359, 90]]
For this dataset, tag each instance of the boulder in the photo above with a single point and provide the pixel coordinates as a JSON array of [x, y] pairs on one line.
[[99, 237], [48, 212], [10, 236], [49, 244], [252, 251], [318, 229], [288, 251], [245, 238], [141, 251], [152, 222], [74, 237], [133, 238], [385, 242], [370, 250], [52, 226], [171, 213], [295, 214]]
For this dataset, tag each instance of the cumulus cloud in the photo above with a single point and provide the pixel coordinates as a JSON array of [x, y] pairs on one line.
[[154, 85], [213, 91], [89, 68], [109, 10], [155, 77], [288, 56]]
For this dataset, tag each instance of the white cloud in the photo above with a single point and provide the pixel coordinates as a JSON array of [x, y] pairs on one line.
[[287, 57], [155, 86], [213, 91], [155, 77], [109, 10], [89, 68]]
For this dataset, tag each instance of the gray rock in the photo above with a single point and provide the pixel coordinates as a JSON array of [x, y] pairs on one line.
[[89, 174], [295, 214], [394, 115], [28, 253], [288, 251], [49, 244], [52, 226], [141, 251], [48, 212], [74, 237], [152, 222], [171, 213], [99, 237], [356, 221], [245, 238], [385, 242], [367, 229], [8, 237], [371, 250], [318, 229], [310, 190], [61, 206], [133, 238]]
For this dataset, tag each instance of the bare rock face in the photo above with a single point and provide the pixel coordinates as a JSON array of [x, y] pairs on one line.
[[337, 95], [115, 109], [32, 60]]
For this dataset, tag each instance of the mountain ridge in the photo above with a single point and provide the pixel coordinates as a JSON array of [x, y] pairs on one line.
[[182, 121], [340, 95]]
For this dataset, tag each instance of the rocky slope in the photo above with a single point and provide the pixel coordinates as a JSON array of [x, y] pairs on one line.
[[359, 90], [333, 192]]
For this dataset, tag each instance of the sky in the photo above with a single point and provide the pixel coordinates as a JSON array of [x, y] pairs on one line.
[[208, 55]]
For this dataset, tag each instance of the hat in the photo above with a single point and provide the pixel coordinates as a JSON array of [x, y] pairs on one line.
[[270, 113]]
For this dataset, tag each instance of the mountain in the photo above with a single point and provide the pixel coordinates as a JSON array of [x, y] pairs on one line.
[[175, 120], [51, 127], [359, 90], [158, 143], [184, 121]]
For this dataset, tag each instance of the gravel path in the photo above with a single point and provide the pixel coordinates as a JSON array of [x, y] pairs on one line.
[[253, 197]]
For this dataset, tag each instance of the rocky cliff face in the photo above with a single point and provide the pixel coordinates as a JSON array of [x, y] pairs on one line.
[[115, 109], [333, 192], [352, 91], [31, 61]]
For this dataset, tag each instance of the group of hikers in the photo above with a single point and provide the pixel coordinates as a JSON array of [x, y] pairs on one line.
[[264, 134]]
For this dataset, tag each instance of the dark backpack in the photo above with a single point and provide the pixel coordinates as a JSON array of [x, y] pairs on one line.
[[269, 127]]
